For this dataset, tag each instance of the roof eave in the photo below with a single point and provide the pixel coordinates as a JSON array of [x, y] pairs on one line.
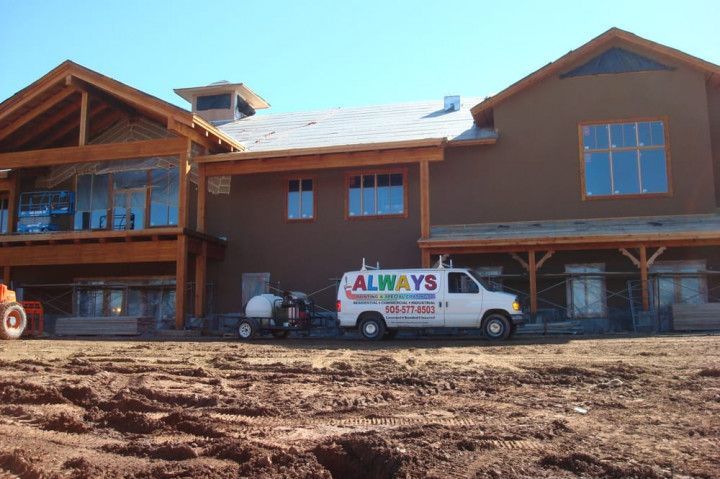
[[253, 155]]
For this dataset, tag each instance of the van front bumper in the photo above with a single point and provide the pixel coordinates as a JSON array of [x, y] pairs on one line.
[[517, 319]]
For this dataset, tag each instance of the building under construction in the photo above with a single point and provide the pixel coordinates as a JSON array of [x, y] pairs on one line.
[[589, 187]]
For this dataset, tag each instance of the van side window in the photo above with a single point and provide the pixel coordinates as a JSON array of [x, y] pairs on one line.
[[461, 283]]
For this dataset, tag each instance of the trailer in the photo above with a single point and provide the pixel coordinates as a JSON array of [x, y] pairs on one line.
[[279, 315]]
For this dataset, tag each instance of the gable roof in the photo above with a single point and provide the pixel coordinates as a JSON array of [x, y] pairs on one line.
[[67, 78], [342, 128], [588, 49]]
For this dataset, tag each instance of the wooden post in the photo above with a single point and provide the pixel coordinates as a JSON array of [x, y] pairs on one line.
[[202, 198], [183, 192], [12, 201], [200, 275], [424, 199], [644, 278], [83, 118], [6, 276], [532, 273], [425, 258], [181, 271]]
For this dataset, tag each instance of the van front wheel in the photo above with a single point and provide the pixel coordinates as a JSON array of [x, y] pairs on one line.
[[496, 327], [372, 328]]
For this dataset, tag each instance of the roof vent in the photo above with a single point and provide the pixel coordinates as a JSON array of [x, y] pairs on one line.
[[222, 101], [452, 103]]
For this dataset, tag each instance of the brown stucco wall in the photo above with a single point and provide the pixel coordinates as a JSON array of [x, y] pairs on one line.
[[713, 99], [533, 172], [302, 256]]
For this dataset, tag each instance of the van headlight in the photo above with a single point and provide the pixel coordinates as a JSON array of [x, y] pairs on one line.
[[516, 305]]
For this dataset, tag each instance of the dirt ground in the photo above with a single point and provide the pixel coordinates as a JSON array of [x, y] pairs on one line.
[[612, 407]]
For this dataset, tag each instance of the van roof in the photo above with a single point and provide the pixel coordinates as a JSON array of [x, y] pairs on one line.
[[408, 269]]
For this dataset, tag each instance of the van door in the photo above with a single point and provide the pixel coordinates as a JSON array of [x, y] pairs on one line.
[[463, 301], [417, 303]]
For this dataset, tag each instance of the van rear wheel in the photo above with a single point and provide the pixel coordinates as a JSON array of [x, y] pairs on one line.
[[496, 327], [372, 328]]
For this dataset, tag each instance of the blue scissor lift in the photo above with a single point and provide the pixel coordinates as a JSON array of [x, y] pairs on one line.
[[36, 209]]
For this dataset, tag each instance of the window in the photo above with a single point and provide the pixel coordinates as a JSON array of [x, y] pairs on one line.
[[129, 199], [164, 196], [376, 194], [300, 199], [679, 282], [126, 195], [92, 200], [4, 213], [213, 102], [586, 291], [461, 283], [625, 158]]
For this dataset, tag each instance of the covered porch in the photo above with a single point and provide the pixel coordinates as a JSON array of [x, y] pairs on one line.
[[603, 274]]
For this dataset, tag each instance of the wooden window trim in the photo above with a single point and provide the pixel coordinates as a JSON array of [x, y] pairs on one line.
[[666, 132], [286, 190], [570, 310], [381, 171]]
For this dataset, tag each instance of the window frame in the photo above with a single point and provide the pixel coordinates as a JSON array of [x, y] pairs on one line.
[[668, 170], [672, 269], [381, 171], [286, 190], [571, 310]]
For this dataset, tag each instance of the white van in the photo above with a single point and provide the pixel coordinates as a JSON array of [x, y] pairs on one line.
[[379, 302]]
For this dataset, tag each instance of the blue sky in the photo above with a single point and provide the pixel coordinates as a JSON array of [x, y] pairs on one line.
[[303, 55]]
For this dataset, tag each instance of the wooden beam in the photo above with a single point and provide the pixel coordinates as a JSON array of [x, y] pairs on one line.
[[181, 253], [322, 150], [13, 201], [200, 280], [522, 262], [355, 159], [545, 257], [656, 255], [35, 112], [532, 274], [425, 255], [424, 199], [644, 278], [66, 127], [627, 253], [82, 140], [202, 198], [39, 131], [6, 275], [88, 253], [687, 238], [184, 184], [201, 137], [79, 154], [110, 100]]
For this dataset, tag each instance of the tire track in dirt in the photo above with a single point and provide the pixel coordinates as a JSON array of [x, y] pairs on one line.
[[387, 421]]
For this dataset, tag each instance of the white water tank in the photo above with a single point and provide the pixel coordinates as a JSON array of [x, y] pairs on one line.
[[261, 306]]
